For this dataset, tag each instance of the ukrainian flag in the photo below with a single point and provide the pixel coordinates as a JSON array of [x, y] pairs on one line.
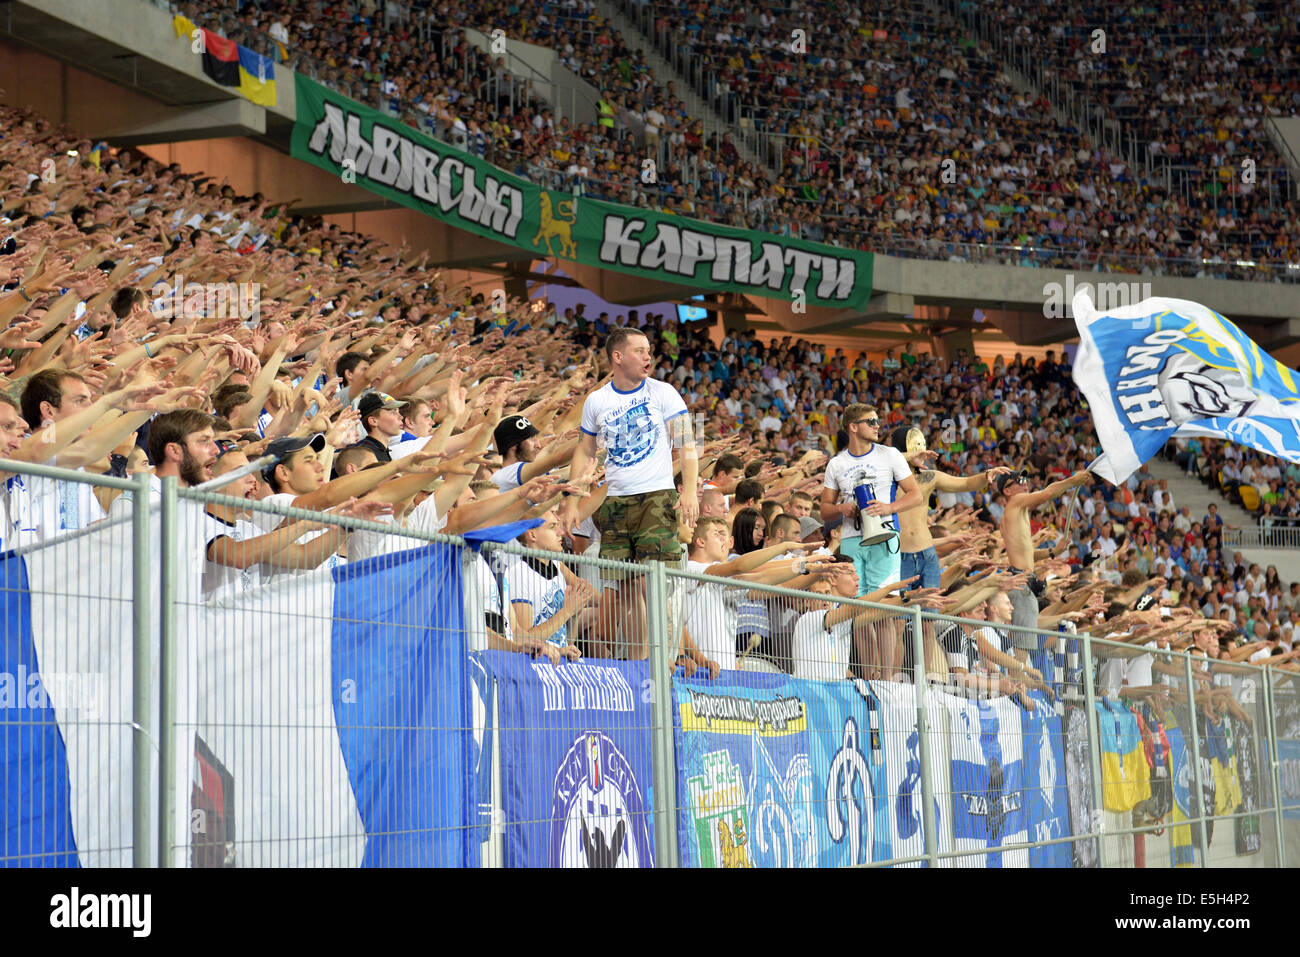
[[256, 77]]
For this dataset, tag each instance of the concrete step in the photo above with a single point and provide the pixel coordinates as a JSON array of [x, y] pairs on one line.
[[696, 106], [1191, 491]]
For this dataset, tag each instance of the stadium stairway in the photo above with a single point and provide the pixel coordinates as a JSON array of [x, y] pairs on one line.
[[1188, 490], [696, 106]]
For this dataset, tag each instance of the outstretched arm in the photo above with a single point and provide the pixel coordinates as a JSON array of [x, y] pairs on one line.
[[1030, 500]]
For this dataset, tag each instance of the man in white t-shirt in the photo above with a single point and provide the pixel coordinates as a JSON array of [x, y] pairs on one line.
[[994, 644], [521, 455], [884, 470], [639, 421], [181, 446], [822, 647], [711, 609], [544, 595], [236, 550]]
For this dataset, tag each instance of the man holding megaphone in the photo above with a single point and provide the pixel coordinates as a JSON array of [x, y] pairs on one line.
[[862, 487]]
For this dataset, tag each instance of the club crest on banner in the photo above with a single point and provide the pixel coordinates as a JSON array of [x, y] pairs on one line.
[[848, 813], [720, 812], [908, 813], [598, 818]]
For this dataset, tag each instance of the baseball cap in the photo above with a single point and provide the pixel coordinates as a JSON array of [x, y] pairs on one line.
[[1006, 478], [511, 431], [808, 526], [372, 402], [283, 448]]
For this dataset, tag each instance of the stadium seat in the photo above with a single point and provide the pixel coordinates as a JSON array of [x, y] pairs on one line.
[[1249, 497]]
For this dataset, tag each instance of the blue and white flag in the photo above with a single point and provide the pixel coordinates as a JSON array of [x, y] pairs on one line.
[[1170, 367], [341, 716], [319, 719], [66, 708], [1046, 799], [988, 782], [902, 743]]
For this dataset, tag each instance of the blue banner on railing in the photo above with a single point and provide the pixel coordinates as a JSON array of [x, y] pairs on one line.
[[1047, 806], [772, 771], [780, 772], [744, 782], [575, 762]]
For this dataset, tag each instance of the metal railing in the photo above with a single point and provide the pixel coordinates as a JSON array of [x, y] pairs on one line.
[[1275, 533], [437, 700]]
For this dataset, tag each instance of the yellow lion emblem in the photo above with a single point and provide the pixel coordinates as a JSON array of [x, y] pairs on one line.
[[553, 227], [732, 854]]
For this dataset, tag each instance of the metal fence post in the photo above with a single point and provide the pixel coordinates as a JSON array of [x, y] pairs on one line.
[[1270, 735], [142, 721], [923, 742], [662, 755], [1196, 760], [1094, 746], [167, 574]]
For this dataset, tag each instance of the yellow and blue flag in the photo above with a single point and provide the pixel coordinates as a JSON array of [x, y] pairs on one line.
[[256, 77]]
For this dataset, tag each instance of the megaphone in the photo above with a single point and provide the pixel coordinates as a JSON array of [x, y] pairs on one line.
[[874, 530]]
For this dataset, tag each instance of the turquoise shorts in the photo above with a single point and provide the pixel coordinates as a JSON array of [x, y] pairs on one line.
[[877, 565]]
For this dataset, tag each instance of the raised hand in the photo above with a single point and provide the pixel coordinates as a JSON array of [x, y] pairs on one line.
[[15, 337], [344, 428]]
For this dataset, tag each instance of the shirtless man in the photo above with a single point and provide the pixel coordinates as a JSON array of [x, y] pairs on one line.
[[1018, 541], [916, 544]]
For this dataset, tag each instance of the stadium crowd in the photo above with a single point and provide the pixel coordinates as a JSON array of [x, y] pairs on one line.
[[1034, 181], [1224, 70], [901, 133], [382, 393]]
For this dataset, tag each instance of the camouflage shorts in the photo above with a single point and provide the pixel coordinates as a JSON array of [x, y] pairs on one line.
[[638, 528]]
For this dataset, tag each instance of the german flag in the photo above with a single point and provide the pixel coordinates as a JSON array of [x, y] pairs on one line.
[[220, 59]]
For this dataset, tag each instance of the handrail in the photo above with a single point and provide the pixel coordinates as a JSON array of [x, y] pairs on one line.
[[1284, 150], [536, 75]]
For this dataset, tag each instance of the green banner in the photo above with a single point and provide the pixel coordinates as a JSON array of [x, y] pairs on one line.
[[402, 164]]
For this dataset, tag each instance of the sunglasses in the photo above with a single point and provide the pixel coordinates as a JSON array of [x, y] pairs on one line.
[[874, 423]]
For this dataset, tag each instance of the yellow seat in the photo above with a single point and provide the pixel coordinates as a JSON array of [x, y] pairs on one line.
[[1249, 497]]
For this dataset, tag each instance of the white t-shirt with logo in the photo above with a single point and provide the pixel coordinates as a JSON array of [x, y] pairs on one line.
[[633, 427], [882, 467], [819, 653], [544, 595]]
